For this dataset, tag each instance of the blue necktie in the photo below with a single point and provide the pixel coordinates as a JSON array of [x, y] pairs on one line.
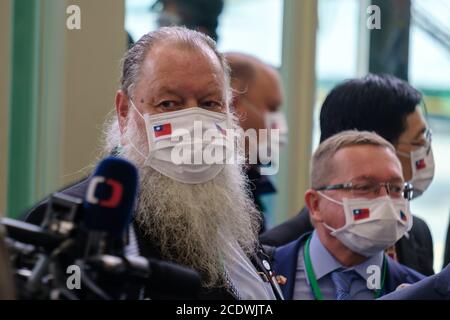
[[342, 281]]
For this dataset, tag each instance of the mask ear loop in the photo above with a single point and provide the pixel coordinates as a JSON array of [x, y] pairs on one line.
[[403, 154], [334, 201], [330, 199], [129, 139]]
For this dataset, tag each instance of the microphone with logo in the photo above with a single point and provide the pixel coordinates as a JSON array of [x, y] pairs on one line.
[[90, 236], [108, 211], [109, 206]]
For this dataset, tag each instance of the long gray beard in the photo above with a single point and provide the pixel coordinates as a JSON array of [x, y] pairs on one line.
[[188, 223]]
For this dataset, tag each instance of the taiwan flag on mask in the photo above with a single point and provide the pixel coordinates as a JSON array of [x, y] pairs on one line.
[[162, 130], [403, 216], [221, 130], [359, 214], [420, 164]]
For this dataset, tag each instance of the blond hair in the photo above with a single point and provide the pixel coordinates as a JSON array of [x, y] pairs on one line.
[[321, 162]]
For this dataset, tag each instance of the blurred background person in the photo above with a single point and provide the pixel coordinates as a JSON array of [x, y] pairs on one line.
[[257, 101], [359, 206], [390, 107], [199, 15]]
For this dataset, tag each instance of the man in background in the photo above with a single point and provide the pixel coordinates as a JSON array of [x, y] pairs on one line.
[[257, 101], [391, 108]]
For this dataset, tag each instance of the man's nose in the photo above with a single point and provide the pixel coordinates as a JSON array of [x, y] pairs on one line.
[[384, 190], [191, 103]]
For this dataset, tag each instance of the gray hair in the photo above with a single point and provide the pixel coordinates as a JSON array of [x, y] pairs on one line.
[[135, 56], [321, 162]]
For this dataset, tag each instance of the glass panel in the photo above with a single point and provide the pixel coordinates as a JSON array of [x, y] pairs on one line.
[[336, 54], [249, 26], [139, 19], [254, 27]]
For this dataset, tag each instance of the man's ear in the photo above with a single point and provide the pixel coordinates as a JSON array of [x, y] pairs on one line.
[[122, 109], [312, 202]]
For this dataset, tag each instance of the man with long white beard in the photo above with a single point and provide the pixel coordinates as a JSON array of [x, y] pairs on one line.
[[198, 215]]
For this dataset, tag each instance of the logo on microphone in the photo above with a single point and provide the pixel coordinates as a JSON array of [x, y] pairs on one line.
[[115, 196]]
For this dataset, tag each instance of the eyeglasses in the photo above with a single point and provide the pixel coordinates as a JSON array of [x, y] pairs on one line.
[[371, 187]]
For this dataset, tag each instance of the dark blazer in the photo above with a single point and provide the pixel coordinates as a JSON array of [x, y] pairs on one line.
[[435, 287], [146, 248], [259, 186], [447, 248], [415, 252], [285, 264]]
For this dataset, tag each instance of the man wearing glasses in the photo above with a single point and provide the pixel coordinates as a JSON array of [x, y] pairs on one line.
[[391, 108], [359, 206]]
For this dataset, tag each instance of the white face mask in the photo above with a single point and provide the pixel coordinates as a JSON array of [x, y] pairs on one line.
[[371, 226], [176, 144], [277, 120], [422, 165], [273, 120]]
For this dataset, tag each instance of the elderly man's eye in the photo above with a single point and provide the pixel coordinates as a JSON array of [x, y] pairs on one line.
[[168, 104], [211, 104]]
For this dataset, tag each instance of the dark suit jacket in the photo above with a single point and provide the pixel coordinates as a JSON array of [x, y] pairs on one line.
[[36, 215], [285, 264], [259, 186], [415, 252], [447, 248], [435, 287]]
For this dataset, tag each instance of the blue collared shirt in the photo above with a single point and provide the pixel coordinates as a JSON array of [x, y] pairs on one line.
[[324, 264]]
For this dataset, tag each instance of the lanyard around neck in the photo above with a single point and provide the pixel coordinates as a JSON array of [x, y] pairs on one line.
[[313, 280]]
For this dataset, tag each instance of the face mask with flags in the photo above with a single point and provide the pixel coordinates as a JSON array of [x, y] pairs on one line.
[[422, 165], [372, 225], [177, 141]]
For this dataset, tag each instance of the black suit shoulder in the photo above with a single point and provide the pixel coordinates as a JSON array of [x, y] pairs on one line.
[[416, 250]]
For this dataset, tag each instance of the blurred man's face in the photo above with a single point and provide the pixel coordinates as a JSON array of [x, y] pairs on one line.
[[358, 164], [264, 95], [411, 139]]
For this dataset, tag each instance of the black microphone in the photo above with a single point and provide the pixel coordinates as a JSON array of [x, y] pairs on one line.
[[30, 234], [170, 280], [108, 209], [7, 290], [109, 205], [162, 279]]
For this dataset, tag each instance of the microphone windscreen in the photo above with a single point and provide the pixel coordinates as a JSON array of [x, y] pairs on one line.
[[110, 196]]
